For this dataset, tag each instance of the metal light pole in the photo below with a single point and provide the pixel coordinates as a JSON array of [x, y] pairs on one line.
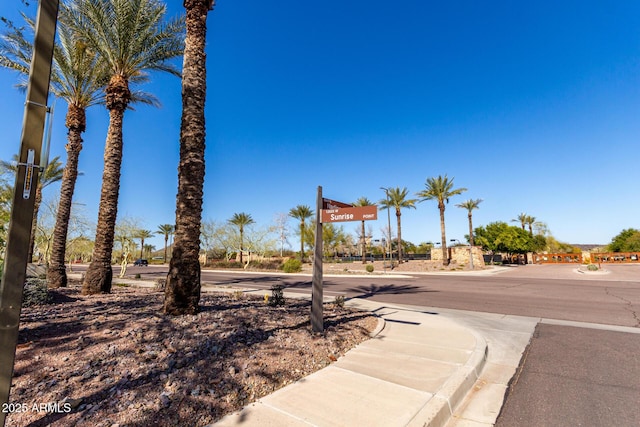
[[11, 288]]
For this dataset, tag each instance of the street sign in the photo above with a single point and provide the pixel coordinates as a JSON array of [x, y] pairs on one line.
[[332, 204], [360, 213]]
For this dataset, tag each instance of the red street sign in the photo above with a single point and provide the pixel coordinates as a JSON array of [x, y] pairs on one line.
[[332, 204], [361, 213]]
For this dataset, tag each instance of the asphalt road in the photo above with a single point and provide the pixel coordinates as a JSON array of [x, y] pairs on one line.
[[595, 300], [576, 377]]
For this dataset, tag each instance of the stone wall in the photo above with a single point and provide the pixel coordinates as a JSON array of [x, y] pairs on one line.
[[460, 255]]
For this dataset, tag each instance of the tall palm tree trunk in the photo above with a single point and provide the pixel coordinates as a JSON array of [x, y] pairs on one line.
[[166, 239], [471, 242], [182, 291], [76, 123], [142, 248], [241, 244], [301, 241], [99, 274], [399, 236], [445, 254]]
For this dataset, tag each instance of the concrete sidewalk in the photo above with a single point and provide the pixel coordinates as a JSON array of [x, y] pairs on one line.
[[414, 372]]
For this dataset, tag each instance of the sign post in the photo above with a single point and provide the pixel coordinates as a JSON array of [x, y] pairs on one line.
[[317, 320], [330, 211]]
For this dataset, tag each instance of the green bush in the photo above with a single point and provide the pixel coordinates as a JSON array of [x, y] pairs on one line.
[[369, 268], [35, 293], [592, 267], [292, 265]]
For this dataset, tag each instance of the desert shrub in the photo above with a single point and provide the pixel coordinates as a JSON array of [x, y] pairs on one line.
[[339, 301], [35, 292], [226, 264], [369, 268], [277, 295], [266, 264], [292, 265], [592, 267], [236, 295], [161, 284]]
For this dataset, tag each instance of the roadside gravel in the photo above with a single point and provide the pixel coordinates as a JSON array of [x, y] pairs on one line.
[[115, 359]]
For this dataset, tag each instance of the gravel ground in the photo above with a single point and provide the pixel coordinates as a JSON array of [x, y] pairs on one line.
[[116, 360]]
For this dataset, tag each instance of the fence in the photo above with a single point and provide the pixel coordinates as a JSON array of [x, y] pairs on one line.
[[557, 258], [618, 257]]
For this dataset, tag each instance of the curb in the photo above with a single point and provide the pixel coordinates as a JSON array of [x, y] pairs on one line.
[[439, 410]]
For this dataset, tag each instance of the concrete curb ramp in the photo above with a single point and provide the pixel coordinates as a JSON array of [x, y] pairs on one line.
[[414, 372]]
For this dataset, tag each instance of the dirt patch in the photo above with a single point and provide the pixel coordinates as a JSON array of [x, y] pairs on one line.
[[116, 360]]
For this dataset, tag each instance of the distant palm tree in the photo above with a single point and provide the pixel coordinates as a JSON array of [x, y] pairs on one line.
[[397, 199], [182, 291], [363, 201], [470, 205], [132, 38], [148, 249], [301, 212], [77, 76], [241, 220], [166, 230], [522, 219], [441, 190], [142, 235], [52, 173], [530, 220]]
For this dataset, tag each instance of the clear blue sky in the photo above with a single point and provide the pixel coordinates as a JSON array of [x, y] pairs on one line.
[[534, 108]]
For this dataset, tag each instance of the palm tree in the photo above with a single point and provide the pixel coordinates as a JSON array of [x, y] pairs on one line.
[[522, 219], [440, 189], [77, 77], [148, 249], [241, 220], [301, 212], [182, 291], [166, 230], [363, 201], [397, 198], [132, 39], [52, 173], [530, 220], [142, 235], [470, 205]]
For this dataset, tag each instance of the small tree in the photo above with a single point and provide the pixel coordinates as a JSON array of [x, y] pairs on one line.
[[470, 205], [241, 220], [142, 235], [302, 213], [165, 230]]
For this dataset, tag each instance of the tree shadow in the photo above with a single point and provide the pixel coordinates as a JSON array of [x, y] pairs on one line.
[[390, 289]]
